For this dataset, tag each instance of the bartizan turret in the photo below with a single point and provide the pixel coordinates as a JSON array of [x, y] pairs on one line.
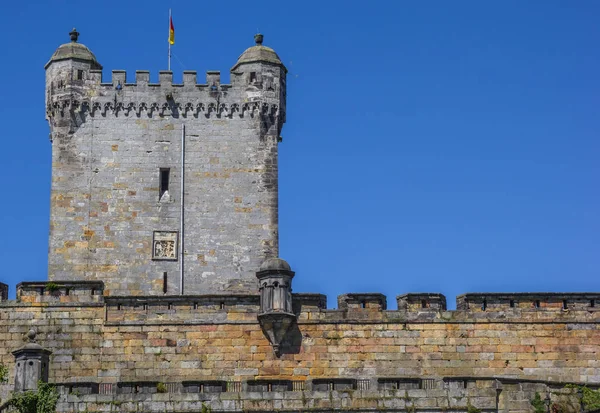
[[67, 72], [260, 71]]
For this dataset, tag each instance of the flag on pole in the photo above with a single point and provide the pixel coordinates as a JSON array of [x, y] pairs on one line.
[[171, 31]]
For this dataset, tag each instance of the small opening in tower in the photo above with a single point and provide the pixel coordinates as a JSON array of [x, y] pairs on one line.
[[252, 77], [67, 291], [565, 305], [592, 303], [195, 306], [165, 284], [512, 304], [222, 305], [484, 305], [80, 75], [363, 304], [145, 306], [164, 176], [423, 304], [537, 303], [170, 306]]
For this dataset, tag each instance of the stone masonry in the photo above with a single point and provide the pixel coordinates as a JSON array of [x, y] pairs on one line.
[[112, 351], [111, 142], [114, 329]]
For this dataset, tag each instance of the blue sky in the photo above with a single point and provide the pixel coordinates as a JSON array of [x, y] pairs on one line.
[[430, 146]]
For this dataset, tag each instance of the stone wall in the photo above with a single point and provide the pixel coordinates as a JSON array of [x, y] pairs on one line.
[[110, 143], [113, 342]]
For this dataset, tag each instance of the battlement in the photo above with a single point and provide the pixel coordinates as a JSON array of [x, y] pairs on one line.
[[474, 302], [421, 302], [121, 97], [60, 292], [119, 80], [3, 292], [312, 307]]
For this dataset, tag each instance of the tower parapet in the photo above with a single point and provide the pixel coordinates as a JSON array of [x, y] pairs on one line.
[[116, 203]]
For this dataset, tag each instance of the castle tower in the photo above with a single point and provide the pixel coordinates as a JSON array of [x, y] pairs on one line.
[[117, 151]]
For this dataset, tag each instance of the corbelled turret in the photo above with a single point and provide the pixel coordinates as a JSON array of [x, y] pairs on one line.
[[66, 73], [260, 70]]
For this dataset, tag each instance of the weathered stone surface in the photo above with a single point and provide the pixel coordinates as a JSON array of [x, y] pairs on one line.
[[110, 143]]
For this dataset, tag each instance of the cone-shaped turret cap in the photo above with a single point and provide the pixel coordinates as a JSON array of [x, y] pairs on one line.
[[74, 51]]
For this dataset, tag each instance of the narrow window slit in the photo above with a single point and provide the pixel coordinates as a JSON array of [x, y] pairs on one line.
[[163, 186], [165, 284]]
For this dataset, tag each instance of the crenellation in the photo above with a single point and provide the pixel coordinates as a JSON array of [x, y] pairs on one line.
[[304, 304], [366, 301], [213, 78], [3, 292], [165, 78], [119, 79], [60, 292], [421, 302], [190, 78], [142, 77], [475, 302]]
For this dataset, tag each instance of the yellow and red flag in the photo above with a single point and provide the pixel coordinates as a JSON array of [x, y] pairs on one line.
[[171, 31]]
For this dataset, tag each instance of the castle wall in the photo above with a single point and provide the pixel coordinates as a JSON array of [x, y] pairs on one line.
[[109, 145], [112, 340]]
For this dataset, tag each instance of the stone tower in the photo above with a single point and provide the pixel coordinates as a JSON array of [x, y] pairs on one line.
[[121, 152]]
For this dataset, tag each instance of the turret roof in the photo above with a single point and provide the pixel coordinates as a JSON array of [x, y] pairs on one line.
[[74, 50], [259, 53]]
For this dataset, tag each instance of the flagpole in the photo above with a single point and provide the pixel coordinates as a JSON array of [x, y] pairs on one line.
[[169, 41]]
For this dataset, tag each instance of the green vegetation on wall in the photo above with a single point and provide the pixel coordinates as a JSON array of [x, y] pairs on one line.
[[41, 401]]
